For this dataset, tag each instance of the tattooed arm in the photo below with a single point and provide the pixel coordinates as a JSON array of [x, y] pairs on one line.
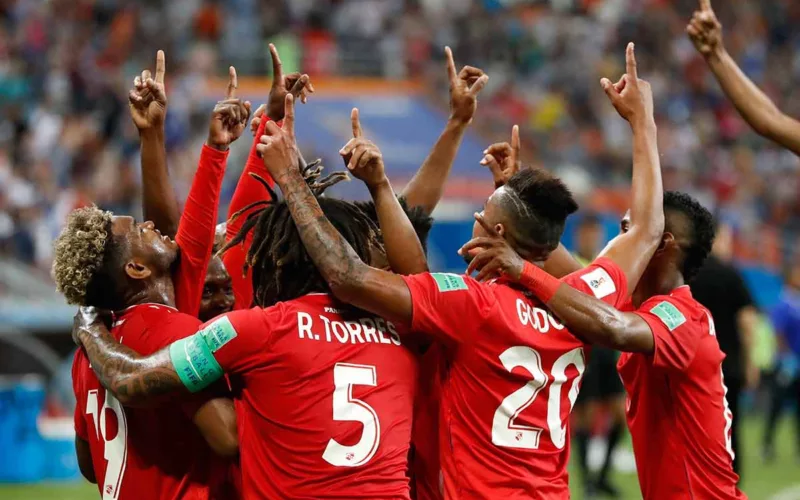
[[380, 292], [132, 378]]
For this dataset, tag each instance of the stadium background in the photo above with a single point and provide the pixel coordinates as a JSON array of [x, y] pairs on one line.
[[66, 140]]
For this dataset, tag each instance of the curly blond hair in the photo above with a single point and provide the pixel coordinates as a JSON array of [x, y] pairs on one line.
[[80, 252]]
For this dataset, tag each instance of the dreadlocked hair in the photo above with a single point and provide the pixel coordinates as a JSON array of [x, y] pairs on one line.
[[282, 269]]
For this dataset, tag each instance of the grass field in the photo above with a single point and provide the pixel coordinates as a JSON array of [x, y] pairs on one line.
[[777, 481]]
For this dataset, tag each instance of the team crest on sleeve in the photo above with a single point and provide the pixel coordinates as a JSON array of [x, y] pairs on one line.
[[669, 315], [447, 282], [600, 283], [218, 333]]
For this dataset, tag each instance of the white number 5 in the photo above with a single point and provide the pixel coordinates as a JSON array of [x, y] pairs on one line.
[[348, 409]]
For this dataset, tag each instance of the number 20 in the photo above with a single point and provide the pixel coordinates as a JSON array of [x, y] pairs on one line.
[[505, 431]]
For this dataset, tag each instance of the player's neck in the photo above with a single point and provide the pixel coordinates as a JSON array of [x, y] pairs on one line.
[[157, 291], [658, 284]]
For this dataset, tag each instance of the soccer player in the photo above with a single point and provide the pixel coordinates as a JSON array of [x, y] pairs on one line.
[[326, 390], [208, 283], [756, 108], [671, 364], [117, 264], [513, 371]]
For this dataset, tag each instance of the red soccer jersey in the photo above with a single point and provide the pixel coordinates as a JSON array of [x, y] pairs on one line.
[[140, 453], [677, 413], [325, 408], [426, 471], [513, 374]]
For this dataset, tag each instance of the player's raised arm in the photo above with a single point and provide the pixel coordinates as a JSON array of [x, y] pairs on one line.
[[426, 187], [248, 190], [350, 279], [148, 106], [756, 108], [197, 228], [365, 161], [633, 100], [591, 319]]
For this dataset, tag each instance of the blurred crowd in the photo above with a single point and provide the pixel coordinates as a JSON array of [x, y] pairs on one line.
[[66, 66]]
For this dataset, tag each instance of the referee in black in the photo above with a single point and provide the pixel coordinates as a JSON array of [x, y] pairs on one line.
[[601, 384], [721, 289]]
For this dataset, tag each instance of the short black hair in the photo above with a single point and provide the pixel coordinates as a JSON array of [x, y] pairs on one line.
[[538, 203], [282, 268], [419, 217], [701, 230]]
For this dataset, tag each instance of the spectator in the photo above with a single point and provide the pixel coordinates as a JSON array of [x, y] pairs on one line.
[[721, 289], [785, 380]]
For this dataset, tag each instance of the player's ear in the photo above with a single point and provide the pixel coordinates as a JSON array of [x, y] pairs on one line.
[[501, 229], [136, 270], [667, 240]]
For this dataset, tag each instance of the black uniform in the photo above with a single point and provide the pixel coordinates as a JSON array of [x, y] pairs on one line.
[[720, 288]]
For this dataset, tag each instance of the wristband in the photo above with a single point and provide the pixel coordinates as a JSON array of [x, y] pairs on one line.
[[539, 282]]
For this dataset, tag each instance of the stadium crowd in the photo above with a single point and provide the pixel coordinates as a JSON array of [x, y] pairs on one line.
[[66, 139]]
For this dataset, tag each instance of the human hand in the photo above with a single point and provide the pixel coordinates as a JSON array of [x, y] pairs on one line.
[[491, 256], [705, 30], [294, 83], [147, 100], [630, 96], [229, 118], [502, 159], [362, 157], [464, 89]]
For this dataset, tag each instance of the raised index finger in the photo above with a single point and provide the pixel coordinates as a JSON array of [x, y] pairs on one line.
[[630, 61], [515, 141], [161, 66], [705, 5], [356, 124], [288, 118], [233, 82], [277, 66], [451, 65]]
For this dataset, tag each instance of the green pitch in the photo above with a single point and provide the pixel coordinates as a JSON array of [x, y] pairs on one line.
[[762, 482]]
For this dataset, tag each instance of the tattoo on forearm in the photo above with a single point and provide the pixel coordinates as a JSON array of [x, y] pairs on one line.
[[332, 254], [127, 374]]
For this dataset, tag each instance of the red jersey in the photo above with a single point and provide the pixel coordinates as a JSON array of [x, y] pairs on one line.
[[142, 453], [197, 228], [677, 394], [326, 399], [513, 374], [425, 468]]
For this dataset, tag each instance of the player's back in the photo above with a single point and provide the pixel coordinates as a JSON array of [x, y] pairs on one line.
[[142, 452], [678, 393], [326, 405], [511, 375]]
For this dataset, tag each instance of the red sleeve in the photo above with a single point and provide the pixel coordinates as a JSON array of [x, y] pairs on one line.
[[197, 228], [80, 398], [444, 303], [241, 338], [603, 279], [248, 190], [676, 332]]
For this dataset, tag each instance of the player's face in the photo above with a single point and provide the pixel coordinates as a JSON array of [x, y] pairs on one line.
[[492, 214], [147, 246], [217, 291]]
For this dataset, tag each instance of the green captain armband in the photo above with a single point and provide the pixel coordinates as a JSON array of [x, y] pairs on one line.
[[194, 362]]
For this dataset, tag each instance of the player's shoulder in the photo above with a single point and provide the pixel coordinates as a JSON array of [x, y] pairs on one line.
[[679, 310], [602, 278]]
